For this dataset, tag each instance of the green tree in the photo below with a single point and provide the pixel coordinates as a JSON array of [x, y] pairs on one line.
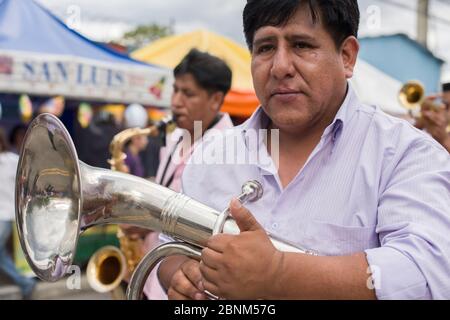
[[144, 34]]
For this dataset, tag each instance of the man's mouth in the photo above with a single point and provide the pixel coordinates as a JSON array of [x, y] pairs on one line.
[[285, 92], [177, 116], [285, 95]]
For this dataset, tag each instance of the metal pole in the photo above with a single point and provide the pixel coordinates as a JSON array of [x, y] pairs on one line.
[[422, 22]]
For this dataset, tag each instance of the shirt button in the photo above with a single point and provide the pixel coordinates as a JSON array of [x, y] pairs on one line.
[[275, 225]]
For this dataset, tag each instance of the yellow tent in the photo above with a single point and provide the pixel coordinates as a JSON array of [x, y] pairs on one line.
[[241, 100]]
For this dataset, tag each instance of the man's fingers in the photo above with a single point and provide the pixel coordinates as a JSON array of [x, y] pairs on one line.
[[219, 242], [192, 272], [172, 294], [430, 103], [210, 258], [187, 281], [209, 274], [212, 288], [182, 287], [243, 217], [434, 96], [431, 116]]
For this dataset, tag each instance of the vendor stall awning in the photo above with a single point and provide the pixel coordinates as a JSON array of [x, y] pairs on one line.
[[40, 55]]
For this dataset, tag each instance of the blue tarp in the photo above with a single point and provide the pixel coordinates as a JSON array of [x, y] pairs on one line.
[[40, 55], [26, 26]]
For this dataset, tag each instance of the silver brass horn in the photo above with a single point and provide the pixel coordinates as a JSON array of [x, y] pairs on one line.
[[59, 197]]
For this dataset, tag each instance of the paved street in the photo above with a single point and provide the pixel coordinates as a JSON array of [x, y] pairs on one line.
[[52, 291]]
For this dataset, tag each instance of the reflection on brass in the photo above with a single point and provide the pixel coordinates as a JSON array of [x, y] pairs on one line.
[[131, 249]]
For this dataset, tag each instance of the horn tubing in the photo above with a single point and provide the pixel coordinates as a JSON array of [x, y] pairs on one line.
[[151, 259]]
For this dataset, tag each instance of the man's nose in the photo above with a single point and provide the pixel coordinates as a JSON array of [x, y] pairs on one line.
[[282, 64], [177, 100]]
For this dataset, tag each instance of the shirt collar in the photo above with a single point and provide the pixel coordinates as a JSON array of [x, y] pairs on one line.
[[344, 114], [256, 127]]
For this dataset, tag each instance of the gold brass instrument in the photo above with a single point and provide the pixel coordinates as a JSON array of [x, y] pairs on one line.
[[411, 97], [109, 266], [105, 271], [58, 197], [117, 144]]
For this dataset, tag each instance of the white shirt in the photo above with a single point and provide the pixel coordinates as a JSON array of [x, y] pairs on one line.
[[8, 167]]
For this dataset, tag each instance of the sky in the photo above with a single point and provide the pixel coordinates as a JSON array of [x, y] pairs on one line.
[[105, 20]]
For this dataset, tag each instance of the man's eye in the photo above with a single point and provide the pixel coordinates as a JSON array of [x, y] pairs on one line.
[[264, 48], [302, 45]]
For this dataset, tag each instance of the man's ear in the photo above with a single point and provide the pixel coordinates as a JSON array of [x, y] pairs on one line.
[[217, 101], [349, 55]]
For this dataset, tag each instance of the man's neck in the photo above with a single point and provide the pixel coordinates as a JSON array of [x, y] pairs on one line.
[[302, 139], [206, 125], [310, 135], [295, 146]]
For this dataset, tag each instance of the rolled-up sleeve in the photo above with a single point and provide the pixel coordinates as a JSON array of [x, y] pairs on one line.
[[413, 261]]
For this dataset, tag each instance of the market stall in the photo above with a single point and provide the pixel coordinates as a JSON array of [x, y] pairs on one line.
[[40, 55], [47, 67]]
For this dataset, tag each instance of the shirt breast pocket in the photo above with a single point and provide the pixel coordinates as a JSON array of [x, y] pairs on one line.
[[337, 240]]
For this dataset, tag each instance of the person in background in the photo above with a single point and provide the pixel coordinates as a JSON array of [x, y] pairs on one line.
[[136, 145], [92, 143], [8, 167], [201, 84], [150, 157], [16, 137], [436, 121]]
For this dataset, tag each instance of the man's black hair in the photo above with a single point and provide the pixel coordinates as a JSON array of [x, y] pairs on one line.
[[339, 17], [446, 87], [210, 72]]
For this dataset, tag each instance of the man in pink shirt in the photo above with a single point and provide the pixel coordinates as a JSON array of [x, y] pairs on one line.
[[201, 83]]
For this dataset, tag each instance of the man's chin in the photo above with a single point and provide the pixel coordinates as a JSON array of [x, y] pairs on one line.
[[293, 127], [182, 122], [285, 117]]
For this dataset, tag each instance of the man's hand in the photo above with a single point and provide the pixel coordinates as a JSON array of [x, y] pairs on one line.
[[186, 283], [243, 266], [435, 120]]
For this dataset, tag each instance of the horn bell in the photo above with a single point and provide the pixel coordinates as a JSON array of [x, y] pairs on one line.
[[48, 198], [412, 94], [106, 269]]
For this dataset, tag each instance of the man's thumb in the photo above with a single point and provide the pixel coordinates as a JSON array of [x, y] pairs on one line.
[[244, 218]]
